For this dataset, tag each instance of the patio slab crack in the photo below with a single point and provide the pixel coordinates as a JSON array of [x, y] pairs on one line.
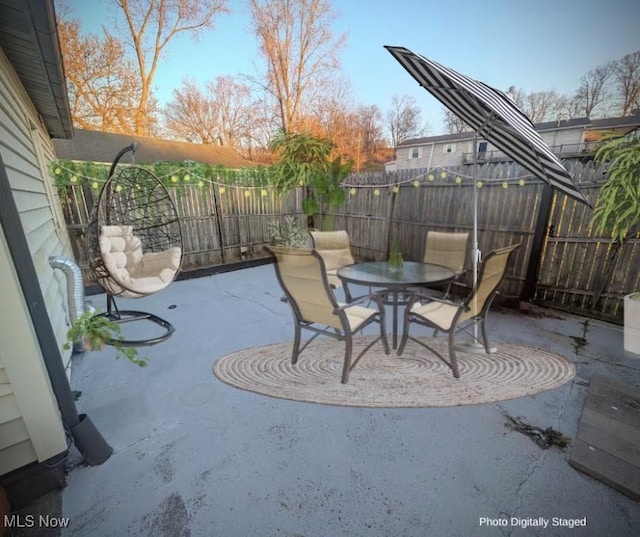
[[253, 301], [537, 463], [581, 341]]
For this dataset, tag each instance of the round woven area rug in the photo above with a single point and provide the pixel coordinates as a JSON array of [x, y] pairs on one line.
[[418, 378]]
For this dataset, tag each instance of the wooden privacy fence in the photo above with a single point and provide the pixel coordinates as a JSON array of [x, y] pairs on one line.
[[561, 262], [220, 223]]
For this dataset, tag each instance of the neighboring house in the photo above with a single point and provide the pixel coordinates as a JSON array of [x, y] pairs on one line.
[[390, 166], [95, 146], [566, 138], [33, 108]]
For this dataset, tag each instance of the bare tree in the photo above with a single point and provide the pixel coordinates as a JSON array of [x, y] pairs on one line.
[[258, 145], [101, 82], [370, 128], [452, 123], [152, 24], [592, 93], [404, 120], [543, 105], [328, 113], [299, 48], [236, 110], [626, 73], [191, 114], [221, 115]]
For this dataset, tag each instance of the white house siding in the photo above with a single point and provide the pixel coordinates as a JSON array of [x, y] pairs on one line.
[[434, 154], [567, 137], [30, 427]]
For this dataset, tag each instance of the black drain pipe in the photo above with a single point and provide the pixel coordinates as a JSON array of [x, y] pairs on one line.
[[87, 438]]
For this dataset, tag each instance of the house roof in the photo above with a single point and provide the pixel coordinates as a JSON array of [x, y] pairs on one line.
[[563, 124], [436, 139], [29, 39], [585, 122], [617, 122], [98, 146]]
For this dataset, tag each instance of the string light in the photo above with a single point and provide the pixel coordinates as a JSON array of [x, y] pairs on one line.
[[352, 188]]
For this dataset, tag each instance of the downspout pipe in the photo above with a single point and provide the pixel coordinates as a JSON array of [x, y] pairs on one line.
[[75, 285], [76, 305], [86, 437]]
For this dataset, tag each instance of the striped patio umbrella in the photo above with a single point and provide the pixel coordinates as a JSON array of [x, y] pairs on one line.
[[493, 115], [495, 118]]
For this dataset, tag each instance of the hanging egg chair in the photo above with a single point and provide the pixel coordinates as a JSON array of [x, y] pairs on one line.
[[134, 240]]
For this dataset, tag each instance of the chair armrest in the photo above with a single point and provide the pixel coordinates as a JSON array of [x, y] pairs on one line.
[[417, 296], [359, 300]]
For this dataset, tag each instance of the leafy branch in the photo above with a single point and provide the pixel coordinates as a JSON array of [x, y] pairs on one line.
[[617, 209]]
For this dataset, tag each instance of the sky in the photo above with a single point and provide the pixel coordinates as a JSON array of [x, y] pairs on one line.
[[535, 45]]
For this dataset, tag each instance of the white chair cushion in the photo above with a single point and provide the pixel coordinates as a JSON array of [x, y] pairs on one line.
[[132, 273]]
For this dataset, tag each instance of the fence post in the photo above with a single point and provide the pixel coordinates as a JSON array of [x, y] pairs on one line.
[[217, 208], [537, 244], [391, 209]]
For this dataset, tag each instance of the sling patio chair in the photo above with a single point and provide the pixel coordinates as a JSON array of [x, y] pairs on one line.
[[302, 276], [335, 249], [453, 317], [449, 250]]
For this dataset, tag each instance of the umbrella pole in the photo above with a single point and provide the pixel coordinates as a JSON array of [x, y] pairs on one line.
[[474, 346]]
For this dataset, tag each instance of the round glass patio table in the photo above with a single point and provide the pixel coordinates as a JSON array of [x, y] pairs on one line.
[[394, 282]]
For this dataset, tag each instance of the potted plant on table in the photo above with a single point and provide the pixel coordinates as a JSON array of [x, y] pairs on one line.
[[94, 331], [617, 210]]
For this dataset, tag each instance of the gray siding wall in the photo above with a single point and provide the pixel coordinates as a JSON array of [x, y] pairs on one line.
[[30, 427], [433, 155]]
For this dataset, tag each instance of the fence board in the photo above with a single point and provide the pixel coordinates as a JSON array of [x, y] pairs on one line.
[[224, 223]]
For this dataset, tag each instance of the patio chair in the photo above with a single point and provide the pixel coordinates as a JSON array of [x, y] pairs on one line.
[[453, 317], [335, 249], [134, 241], [302, 275], [449, 250]]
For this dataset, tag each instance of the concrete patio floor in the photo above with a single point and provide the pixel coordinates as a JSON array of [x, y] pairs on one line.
[[195, 457]]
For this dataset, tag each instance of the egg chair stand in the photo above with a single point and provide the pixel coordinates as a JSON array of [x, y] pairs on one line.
[[116, 315], [134, 240]]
